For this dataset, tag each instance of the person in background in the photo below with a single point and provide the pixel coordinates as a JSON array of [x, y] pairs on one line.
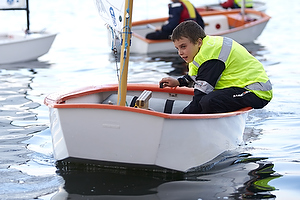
[[179, 11], [237, 4], [224, 75]]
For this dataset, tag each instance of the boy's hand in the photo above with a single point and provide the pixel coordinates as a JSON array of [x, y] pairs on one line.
[[168, 82]]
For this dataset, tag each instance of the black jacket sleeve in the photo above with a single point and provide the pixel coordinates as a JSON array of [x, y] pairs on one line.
[[210, 72]]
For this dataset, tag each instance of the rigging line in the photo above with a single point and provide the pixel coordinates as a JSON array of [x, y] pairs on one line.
[[114, 49]]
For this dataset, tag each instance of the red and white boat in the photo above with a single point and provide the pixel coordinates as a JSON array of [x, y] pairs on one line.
[[243, 28]]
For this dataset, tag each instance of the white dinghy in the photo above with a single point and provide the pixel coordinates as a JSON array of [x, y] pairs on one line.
[[22, 46], [137, 125], [243, 28]]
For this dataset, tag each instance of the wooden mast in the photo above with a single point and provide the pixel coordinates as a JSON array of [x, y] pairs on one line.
[[125, 51]]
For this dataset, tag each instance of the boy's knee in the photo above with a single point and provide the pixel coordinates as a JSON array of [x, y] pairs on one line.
[[208, 104]]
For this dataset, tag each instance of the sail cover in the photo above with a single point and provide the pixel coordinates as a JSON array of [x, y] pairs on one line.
[[11, 4], [112, 12]]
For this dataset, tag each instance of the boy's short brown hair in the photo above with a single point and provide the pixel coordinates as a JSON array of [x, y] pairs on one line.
[[189, 29]]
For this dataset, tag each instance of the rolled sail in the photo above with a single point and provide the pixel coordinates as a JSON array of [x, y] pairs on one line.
[[112, 12]]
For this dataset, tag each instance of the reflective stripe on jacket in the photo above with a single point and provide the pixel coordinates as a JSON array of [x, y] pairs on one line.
[[241, 68]]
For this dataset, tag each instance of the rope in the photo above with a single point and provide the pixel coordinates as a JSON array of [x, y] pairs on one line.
[[115, 50]]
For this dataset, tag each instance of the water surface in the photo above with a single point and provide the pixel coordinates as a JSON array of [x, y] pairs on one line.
[[80, 56]]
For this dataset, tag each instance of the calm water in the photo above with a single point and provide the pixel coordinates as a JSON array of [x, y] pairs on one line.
[[80, 55]]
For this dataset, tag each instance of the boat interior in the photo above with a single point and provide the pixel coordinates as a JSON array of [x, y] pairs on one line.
[[146, 101]]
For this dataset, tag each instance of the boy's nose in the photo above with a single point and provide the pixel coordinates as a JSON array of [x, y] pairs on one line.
[[180, 52]]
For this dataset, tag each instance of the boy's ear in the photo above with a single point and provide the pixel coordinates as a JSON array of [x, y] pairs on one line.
[[199, 42]]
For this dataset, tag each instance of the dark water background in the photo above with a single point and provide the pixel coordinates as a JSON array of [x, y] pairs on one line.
[[80, 56]]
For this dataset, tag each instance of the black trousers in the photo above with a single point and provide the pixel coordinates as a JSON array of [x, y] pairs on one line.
[[225, 100], [158, 35]]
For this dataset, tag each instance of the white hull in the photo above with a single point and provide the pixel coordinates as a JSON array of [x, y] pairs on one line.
[[223, 23], [82, 128], [21, 47], [247, 34]]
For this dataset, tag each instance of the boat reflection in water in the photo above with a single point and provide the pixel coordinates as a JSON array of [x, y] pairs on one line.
[[32, 65], [245, 178]]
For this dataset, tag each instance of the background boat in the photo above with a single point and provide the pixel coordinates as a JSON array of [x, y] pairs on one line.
[[26, 45], [243, 28]]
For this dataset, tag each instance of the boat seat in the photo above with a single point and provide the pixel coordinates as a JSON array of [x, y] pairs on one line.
[[143, 100], [155, 104]]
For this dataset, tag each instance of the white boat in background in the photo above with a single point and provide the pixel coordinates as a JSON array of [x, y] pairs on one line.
[[137, 125], [243, 28], [87, 124], [22, 46]]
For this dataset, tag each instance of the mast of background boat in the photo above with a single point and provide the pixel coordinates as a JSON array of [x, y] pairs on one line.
[[27, 12], [243, 10], [27, 15], [125, 51]]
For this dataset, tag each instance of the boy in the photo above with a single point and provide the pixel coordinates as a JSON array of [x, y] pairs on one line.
[[179, 11], [225, 76]]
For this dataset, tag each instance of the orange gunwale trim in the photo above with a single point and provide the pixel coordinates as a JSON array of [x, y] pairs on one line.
[[56, 100], [59, 98]]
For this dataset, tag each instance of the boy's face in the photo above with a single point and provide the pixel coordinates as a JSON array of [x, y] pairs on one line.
[[186, 49]]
